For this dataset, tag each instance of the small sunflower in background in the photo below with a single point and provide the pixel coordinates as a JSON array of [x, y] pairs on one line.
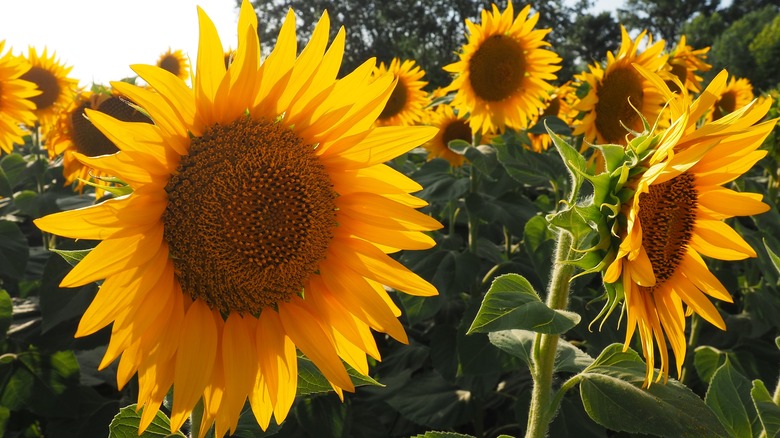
[[501, 79], [616, 92], [406, 106], [175, 62], [684, 63], [558, 105], [451, 127], [16, 106], [735, 95], [260, 220], [73, 135], [675, 214], [51, 78]]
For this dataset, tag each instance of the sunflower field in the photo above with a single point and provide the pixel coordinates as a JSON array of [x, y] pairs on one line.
[[259, 243]]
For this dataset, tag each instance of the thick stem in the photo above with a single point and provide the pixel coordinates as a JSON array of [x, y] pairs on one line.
[[542, 409]]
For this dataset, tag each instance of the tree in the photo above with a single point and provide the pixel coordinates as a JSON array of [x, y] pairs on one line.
[[663, 18]]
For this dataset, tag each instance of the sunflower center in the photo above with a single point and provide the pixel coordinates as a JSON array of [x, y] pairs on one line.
[[87, 139], [47, 83], [553, 108], [171, 64], [497, 68], [619, 87], [395, 104], [726, 105], [250, 216], [667, 214], [457, 130]]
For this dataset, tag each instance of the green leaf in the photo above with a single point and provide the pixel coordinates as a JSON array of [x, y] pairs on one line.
[[436, 434], [772, 256], [429, 400], [73, 257], [574, 161], [311, 380], [126, 423], [5, 186], [459, 146], [729, 397], [482, 157], [5, 415], [768, 411], [707, 360], [612, 393], [46, 384], [13, 166], [512, 303], [519, 343], [14, 250], [6, 313]]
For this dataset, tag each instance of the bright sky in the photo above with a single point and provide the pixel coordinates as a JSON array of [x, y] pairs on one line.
[[101, 38]]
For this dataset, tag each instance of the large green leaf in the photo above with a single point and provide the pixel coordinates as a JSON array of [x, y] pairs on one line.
[[127, 422], [512, 303], [429, 400], [14, 250], [768, 410], [45, 384], [311, 380], [729, 397], [519, 343], [6, 313], [612, 393]]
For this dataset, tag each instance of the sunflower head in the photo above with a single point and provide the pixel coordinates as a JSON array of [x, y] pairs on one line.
[[259, 223], [73, 134], [50, 76], [659, 206], [735, 95], [614, 99], [408, 100], [684, 63], [16, 94], [558, 105], [501, 78], [175, 62], [451, 127]]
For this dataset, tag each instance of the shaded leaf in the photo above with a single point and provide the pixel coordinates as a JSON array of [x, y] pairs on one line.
[[729, 397], [125, 425], [73, 257], [311, 380], [6, 313], [512, 303], [612, 393], [768, 411], [519, 343], [14, 251]]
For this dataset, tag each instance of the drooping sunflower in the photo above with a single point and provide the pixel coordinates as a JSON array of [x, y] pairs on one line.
[[451, 126], [16, 106], [615, 91], [684, 62], [406, 105], [260, 221], [558, 105], [501, 77], [73, 134], [51, 78], [175, 62], [735, 95], [676, 216]]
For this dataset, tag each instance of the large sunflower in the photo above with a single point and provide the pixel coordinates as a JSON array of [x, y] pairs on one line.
[[676, 215], [176, 63], [406, 105], [260, 221], [74, 134], [735, 95], [616, 92], [16, 107], [501, 78], [51, 77], [684, 62]]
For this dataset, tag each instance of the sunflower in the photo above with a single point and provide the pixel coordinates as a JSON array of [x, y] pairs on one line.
[[684, 62], [738, 93], [73, 133], [616, 92], [51, 77], [501, 78], [176, 63], [16, 107], [451, 126], [406, 105], [675, 217], [260, 221], [558, 105]]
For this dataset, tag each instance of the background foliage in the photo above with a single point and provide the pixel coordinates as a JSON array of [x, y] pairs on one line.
[[462, 372]]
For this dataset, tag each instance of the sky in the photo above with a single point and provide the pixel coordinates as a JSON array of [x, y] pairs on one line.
[[100, 39]]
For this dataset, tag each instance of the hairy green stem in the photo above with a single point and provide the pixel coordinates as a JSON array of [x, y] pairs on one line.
[[543, 407]]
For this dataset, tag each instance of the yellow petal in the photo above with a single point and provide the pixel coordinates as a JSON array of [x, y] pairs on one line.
[[210, 70], [700, 304], [381, 145], [733, 203], [379, 211], [720, 241], [694, 268], [240, 363]]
